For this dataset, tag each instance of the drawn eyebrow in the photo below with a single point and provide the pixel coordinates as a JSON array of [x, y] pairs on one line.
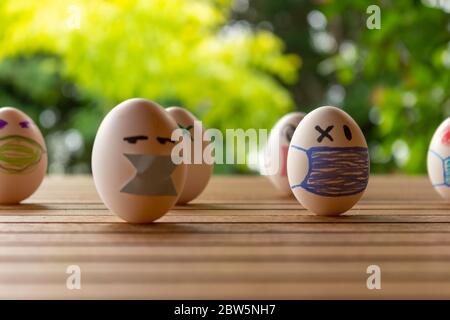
[[189, 127], [135, 139], [24, 124], [163, 140], [186, 129], [3, 123]]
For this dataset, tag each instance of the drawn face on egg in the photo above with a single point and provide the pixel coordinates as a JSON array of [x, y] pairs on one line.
[[328, 161], [132, 164], [198, 172], [20, 148], [23, 156], [275, 157], [438, 160]]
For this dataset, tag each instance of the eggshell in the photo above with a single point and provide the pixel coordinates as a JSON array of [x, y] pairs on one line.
[[131, 161], [325, 178], [198, 175], [23, 156], [438, 161], [276, 151]]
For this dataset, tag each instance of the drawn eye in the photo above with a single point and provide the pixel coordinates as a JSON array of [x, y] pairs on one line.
[[135, 139], [163, 140], [24, 124], [289, 132], [3, 123], [324, 133], [347, 132]]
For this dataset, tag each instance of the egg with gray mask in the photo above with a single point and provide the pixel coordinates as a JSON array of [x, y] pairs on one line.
[[131, 161], [328, 162]]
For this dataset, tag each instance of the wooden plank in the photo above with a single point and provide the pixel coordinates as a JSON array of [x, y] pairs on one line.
[[240, 239], [226, 228]]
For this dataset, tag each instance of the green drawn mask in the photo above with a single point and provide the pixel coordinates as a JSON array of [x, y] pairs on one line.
[[19, 154]]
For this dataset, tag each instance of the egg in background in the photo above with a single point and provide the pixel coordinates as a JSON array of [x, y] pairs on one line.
[[23, 156], [328, 162], [198, 175], [131, 161], [438, 160], [276, 151]]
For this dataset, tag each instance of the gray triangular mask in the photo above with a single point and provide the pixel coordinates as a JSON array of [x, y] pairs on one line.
[[153, 175]]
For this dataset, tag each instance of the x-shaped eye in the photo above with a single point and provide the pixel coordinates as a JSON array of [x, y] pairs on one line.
[[324, 133]]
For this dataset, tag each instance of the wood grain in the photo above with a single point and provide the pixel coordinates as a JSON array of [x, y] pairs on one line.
[[240, 239]]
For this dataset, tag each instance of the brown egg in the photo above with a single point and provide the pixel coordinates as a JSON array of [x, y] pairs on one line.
[[131, 161], [438, 161], [23, 156], [328, 162], [276, 151], [198, 174]]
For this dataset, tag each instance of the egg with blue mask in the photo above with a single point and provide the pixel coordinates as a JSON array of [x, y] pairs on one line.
[[438, 160], [132, 161], [328, 162]]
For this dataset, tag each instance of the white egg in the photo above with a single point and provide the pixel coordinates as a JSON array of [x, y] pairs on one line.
[[328, 162], [438, 161], [276, 151]]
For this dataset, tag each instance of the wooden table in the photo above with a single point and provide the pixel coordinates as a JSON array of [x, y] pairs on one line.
[[238, 240]]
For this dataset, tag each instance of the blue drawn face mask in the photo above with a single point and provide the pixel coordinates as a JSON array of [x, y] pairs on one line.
[[335, 171], [446, 170]]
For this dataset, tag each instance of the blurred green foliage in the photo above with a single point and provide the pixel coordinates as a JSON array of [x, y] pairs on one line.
[[394, 81], [177, 52], [66, 63]]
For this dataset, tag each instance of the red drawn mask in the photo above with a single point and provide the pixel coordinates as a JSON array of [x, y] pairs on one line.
[[284, 153], [446, 136]]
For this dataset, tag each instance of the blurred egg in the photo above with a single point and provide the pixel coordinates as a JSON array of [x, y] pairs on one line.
[[328, 162], [198, 174], [131, 161], [276, 151], [23, 156], [438, 161]]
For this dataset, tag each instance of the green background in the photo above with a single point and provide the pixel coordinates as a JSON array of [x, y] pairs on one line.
[[234, 64]]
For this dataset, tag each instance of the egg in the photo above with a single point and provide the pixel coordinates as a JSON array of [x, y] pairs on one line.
[[276, 151], [132, 162], [328, 162], [438, 160], [198, 174], [23, 156]]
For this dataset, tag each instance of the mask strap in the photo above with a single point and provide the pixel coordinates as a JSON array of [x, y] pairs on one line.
[[298, 148], [306, 177], [436, 154], [445, 183]]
